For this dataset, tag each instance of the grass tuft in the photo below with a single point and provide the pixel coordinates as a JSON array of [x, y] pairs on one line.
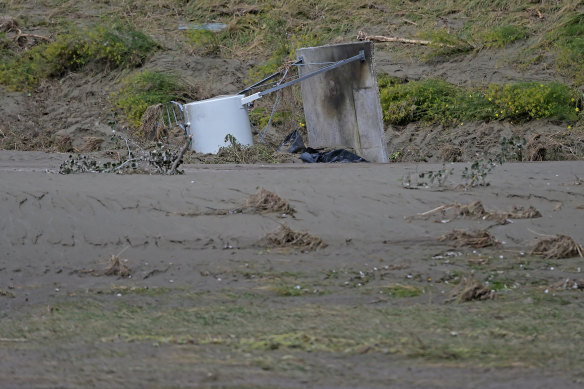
[[140, 90], [504, 35]]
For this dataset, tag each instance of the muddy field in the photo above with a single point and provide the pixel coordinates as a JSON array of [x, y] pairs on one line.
[[151, 281], [405, 275]]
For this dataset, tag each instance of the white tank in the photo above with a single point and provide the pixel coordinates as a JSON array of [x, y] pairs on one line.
[[209, 121]]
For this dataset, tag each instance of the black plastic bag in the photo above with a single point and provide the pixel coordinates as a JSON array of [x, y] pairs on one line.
[[296, 145], [338, 155], [295, 141]]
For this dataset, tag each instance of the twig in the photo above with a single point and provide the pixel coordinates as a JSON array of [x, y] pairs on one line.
[[128, 146], [435, 210], [19, 35], [125, 163], [13, 340], [539, 234], [379, 38], [176, 162]]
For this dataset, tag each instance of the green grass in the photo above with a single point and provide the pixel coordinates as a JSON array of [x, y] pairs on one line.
[[436, 101], [533, 100], [400, 291], [504, 35], [497, 333], [103, 47], [568, 40], [140, 90]]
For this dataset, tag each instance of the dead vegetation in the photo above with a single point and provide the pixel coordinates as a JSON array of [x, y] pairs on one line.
[[476, 210], [536, 148], [470, 289], [559, 246], [554, 147], [8, 24], [262, 202], [5, 293], [451, 153], [26, 140], [152, 127], [268, 202], [116, 267], [19, 40], [284, 236], [475, 239], [242, 154], [569, 284], [362, 36], [90, 144]]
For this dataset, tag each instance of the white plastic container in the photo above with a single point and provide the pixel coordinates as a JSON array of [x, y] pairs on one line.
[[210, 121]]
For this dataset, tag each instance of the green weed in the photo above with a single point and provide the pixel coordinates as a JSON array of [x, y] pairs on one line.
[[203, 42], [432, 100], [290, 290], [140, 90], [102, 47], [444, 43], [504, 35], [399, 290], [568, 40], [437, 101], [532, 100]]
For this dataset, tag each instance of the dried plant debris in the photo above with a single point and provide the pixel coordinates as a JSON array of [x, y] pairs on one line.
[[162, 159], [474, 239], [8, 24], [470, 289], [284, 236], [117, 267], [569, 284], [449, 212], [90, 144], [262, 202], [5, 293], [559, 246], [152, 123], [269, 202], [536, 148]]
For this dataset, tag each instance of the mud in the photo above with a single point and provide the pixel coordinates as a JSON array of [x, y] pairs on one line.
[[54, 227]]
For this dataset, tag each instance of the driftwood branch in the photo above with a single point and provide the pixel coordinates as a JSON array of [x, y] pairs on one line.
[[20, 34], [380, 38], [180, 155]]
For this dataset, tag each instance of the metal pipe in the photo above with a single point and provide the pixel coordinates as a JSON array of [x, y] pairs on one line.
[[255, 96], [360, 56], [264, 80]]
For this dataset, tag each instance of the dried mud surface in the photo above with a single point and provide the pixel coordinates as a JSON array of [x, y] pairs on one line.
[[58, 233]]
